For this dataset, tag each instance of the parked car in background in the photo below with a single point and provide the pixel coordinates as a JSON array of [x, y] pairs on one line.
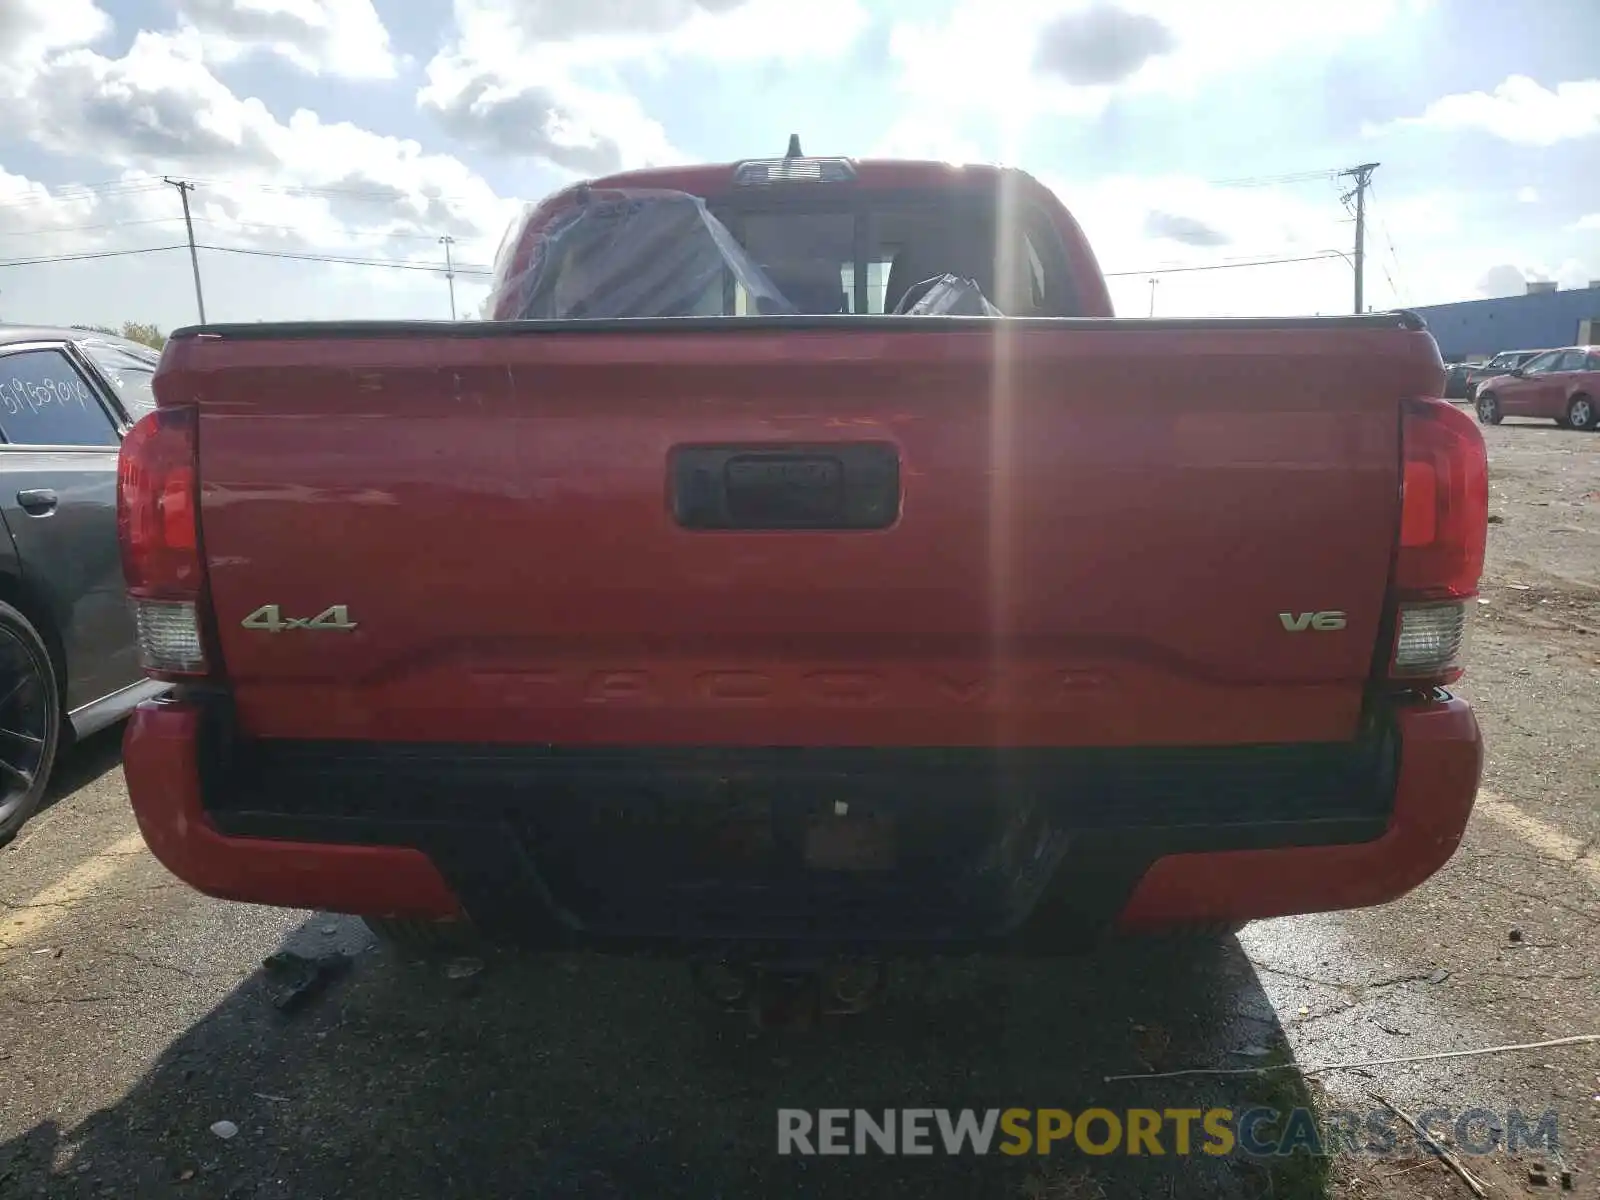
[[69, 661], [1455, 378], [1462, 378], [1563, 385]]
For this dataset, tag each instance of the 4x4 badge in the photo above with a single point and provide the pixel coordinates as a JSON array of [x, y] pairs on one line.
[[271, 619]]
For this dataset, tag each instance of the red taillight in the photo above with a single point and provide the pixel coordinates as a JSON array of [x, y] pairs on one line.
[[1444, 510], [158, 525], [1444, 524]]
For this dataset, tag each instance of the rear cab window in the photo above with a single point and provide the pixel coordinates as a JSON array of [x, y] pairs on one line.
[[812, 248], [46, 401]]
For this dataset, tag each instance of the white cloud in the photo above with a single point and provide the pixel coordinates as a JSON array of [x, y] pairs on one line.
[[581, 129], [579, 33], [1518, 110], [30, 210], [1046, 57], [1512, 278], [1102, 44], [1527, 195], [30, 29], [540, 78], [1186, 230], [301, 184], [564, 19], [1592, 221], [336, 37], [158, 102]]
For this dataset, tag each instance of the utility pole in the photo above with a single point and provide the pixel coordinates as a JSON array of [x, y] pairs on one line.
[[1363, 177], [1153, 282], [449, 272], [184, 188]]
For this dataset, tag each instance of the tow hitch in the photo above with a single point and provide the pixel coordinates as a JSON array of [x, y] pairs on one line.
[[777, 994]]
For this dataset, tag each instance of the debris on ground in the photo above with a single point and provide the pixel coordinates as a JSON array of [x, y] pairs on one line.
[[224, 1129], [1474, 1184], [302, 977], [463, 968], [1516, 934]]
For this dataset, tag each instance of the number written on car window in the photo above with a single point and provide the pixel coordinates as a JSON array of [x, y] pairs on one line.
[[44, 401]]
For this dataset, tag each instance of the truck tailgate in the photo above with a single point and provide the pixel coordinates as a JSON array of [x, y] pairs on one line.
[[1098, 533]]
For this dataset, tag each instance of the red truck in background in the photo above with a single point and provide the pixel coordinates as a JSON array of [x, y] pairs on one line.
[[797, 621]]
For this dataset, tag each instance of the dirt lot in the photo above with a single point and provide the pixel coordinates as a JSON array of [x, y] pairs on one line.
[[135, 1015]]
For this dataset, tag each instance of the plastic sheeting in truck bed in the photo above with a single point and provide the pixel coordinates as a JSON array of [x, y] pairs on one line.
[[625, 253], [618, 253]]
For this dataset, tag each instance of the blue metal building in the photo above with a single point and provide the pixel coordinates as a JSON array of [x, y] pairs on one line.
[[1478, 328]]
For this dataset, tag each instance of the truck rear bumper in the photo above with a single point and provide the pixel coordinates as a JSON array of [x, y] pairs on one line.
[[844, 851]]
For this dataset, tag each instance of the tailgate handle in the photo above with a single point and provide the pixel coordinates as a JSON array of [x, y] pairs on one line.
[[848, 485]]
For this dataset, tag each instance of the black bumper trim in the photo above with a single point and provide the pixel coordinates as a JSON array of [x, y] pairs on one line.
[[671, 847]]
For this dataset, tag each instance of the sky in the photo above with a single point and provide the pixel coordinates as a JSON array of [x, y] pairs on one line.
[[1181, 133]]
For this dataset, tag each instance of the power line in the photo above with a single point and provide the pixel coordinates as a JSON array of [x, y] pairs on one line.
[[75, 192], [346, 230], [336, 259], [1394, 255], [87, 228], [86, 256], [114, 187], [1225, 266], [332, 191], [82, 187], [1273, 180], [463, 269], [435, 267]]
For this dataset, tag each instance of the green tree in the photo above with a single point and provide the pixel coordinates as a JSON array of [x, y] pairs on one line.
[[139, 331], [97, 329]]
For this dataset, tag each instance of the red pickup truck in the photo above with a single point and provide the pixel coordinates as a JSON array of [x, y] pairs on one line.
[[749, 606]]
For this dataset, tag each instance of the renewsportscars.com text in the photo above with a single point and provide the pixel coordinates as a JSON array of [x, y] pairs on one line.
[[1150, 1131]]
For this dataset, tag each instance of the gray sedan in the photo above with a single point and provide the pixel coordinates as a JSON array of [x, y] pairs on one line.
[[69, 661]]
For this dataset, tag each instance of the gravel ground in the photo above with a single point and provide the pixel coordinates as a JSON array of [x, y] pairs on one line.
[[135, 1015]]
